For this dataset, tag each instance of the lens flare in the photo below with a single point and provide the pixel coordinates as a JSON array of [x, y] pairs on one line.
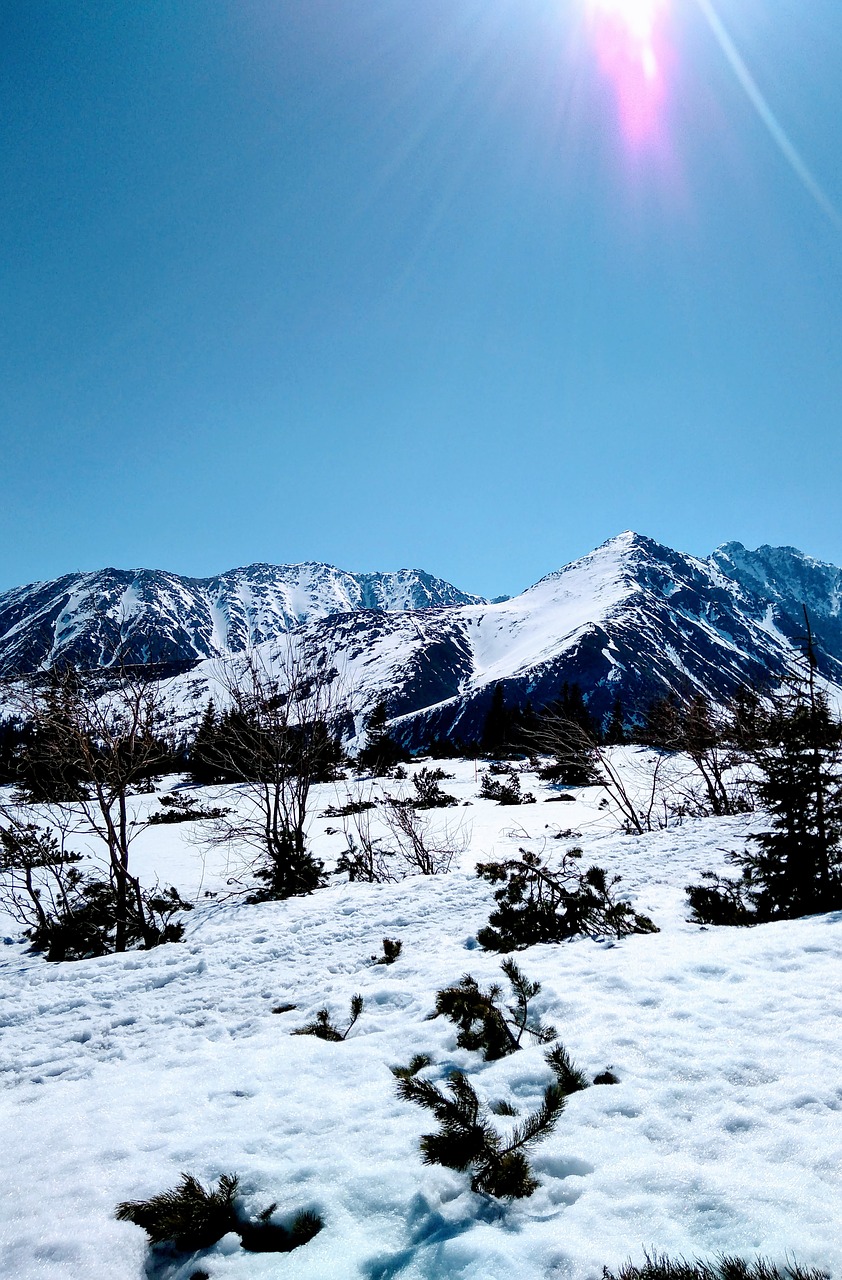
[[629, 44]]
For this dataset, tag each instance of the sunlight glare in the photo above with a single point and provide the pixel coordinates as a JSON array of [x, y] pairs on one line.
[[627, 36]]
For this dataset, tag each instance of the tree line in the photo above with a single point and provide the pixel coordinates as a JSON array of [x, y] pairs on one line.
[[80, 745]]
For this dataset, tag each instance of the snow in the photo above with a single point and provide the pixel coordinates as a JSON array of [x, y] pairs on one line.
[[511, 637], [724, 1133]]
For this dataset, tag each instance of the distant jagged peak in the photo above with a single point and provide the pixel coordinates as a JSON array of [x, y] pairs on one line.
[[784, 574]]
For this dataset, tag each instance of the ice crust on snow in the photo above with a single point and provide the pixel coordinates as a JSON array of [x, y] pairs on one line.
[[724, 1134]]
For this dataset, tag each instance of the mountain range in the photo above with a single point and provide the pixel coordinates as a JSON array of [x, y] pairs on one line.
[[632, 619]]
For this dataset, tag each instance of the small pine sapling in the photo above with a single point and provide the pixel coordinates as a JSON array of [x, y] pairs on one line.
[[540, 903], [428, 793], [193, 1217], [323, 1028], [523, 991], [483, 1024], [606, 1077], [392, 948], [189, 1217], [467, 1141], [505, 792]]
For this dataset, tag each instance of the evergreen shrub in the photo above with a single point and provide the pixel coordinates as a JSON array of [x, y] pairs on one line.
[[467, 1141], [506, 789], [484, 1024], [324, 1029], [538, 903]]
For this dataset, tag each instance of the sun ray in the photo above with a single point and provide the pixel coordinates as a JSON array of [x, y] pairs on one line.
[[629, 44]]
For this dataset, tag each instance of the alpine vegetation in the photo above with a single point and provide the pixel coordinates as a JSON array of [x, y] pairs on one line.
[[189, 1217], [486, 1025], [324, 1029], [505, 789], [192, 1217], [95, 740], [794, 869], [392, 947], [540, 903], [68, 910], [725, 1267], [467, 1141]]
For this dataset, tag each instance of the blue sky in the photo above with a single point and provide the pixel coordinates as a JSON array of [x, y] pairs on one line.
[[385, 284]]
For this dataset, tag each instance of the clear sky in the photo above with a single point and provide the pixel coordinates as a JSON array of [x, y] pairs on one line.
[[468, 285]]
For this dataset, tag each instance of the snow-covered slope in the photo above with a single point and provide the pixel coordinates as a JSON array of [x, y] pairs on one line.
[[633, 619], [723, 1135], [150, 616]]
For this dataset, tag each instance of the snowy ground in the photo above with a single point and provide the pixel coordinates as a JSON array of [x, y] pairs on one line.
[[725, 1133]]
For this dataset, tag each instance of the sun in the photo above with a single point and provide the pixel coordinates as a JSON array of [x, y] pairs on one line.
[[639, 17], [630, 46]]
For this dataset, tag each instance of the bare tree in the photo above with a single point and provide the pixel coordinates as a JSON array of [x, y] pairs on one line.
[[422, 849], [97, 737], [641, 801], [717, 757], [37, 873], [364, 857], [277, 735]]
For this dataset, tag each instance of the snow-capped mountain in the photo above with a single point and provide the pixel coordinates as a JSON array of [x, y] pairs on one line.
[[633, 619], [151, 616]]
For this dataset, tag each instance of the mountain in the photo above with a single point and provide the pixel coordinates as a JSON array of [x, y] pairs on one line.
[[151, 616], [633, 619]]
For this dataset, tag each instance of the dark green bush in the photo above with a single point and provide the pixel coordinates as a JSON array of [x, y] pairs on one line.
[[189, 1217], [428, 793], [505, 790], [539, 903], [483, 1023], [177, 808]]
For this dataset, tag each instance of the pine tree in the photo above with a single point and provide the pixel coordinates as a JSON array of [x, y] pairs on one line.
[[571, 706], [615, 730], [484, 1024], [323, 1029], [794, 869], [568, 732], [381, 752], [496, 731], [663, 725], [797, 869], [466, 1139]]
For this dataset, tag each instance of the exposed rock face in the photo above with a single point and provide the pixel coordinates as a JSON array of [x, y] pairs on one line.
[[632, 619], [151, 616]]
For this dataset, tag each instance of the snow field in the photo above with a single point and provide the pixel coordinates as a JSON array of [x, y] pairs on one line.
[[725, 1133]]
